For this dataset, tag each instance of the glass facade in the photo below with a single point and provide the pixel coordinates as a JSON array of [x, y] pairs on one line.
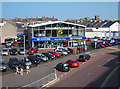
[[57, 30]]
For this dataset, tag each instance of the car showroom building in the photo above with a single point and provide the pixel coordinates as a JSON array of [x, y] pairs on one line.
[[53, 34]]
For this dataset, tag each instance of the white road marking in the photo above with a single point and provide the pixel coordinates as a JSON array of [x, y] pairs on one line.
[[99, 65], [61, 76], [88, 73]]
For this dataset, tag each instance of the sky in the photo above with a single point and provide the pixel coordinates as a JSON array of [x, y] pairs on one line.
[[60, 10]]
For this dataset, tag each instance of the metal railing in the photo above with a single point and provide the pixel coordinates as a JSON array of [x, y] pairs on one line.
[[41, 82]]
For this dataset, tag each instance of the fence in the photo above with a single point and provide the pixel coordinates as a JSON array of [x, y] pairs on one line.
[[39, 83]]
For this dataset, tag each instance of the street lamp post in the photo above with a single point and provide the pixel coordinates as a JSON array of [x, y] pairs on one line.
[[24, 45]]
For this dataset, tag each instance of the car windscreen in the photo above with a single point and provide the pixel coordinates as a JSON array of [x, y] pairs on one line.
[[32, 49], [74, 61], [14, 50], [65, 65], [4, 50], [21, 49]]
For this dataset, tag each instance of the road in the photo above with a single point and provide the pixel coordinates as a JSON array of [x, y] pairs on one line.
[[100, 70]]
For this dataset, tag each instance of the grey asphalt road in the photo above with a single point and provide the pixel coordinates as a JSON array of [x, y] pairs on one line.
[[99, 71]]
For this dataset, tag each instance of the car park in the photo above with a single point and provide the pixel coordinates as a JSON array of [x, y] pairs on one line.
[[25, 62], [34, 59], [8, 43], [13, 62], [49, 55], [5, 51], [63, 67], [83, 57], [21, 51], [3, 65], [55, 54], [33, 50], [42, 57], [15, 44], [73, 63], [14, 51]]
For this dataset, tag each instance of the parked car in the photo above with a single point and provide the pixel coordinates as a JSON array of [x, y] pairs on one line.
[[100, 43], [21, 51], [63, 67], [14, 51], [34, 59], [63, 53], [18, 42], [97, 45], [88, 39], [9, 47], [83, 57], [104, 43], [42, 57], [55, 54], [112, 41], [3, 65], [5, 51], [71, 50], [33, 50], [108, 43], [63, 49], [73, 63], [117, 41], [49, 55], [25, 61], [13, 62], [15, 44], [8, 43]]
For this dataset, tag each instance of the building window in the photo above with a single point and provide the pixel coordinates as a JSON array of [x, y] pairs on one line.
[[48, 33], [42, 33], [54, 33]]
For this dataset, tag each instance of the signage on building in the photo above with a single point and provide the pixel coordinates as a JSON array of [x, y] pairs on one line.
[[58, 38]]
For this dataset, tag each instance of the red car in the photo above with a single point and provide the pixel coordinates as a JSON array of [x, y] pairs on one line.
[[108, 43], [101, 44], [73, 63], [88, 39], [18, 41], [33, 50], [15, 44], [55, 54]]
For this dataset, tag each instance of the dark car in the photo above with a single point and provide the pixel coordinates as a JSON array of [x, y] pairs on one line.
[[49, 55], [117, 41], [3, 65], [13, 62], [34, 59], [14, 51], [63, 67], [25, 62], [84, 57]]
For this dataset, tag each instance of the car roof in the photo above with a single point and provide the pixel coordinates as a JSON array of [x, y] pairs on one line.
[[51, 51], [13, 58], [73, 59], [5, 48], [21, 47], [34, 47], [2, 60]]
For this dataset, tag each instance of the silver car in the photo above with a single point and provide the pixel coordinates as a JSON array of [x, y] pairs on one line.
[[3, 65], [21, 50], [42, 57], [25, 62], [5, 51]]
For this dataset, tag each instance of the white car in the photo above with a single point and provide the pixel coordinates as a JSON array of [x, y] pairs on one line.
[[5, 51], [8, 43]]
